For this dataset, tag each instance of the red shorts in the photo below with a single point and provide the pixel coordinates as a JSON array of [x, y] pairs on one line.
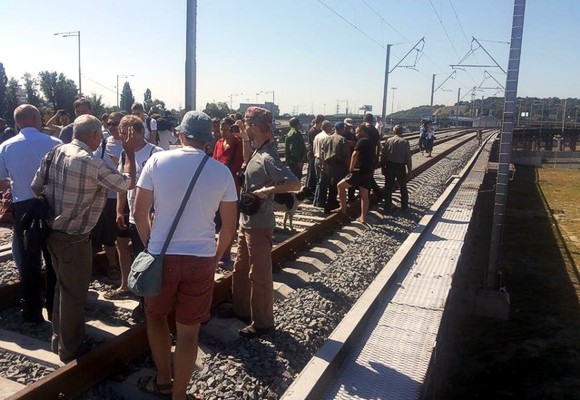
[[187, 287]]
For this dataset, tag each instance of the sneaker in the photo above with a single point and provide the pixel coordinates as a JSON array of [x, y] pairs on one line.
[[251, 331]]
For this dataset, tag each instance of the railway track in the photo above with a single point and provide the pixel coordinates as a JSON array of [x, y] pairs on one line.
[[130, 341]]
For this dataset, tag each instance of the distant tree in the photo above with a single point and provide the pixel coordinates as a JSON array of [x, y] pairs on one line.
[[127, 98], [48, 87], [219, 110], [147, 100], [31, 90], [12, 101], [58, 90], [158, 104], [96, 103], [3, 83]]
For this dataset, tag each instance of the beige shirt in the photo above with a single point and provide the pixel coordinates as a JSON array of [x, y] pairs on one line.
[[396, 150]]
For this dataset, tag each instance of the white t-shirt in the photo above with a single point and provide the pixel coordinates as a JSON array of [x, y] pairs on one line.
[[168, 175], [166, 138], [106, 156], [141, 158], [153, 124], [114, 147], [317, 143]]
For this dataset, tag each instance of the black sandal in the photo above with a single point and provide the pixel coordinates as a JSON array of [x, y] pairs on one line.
[[148, 384]]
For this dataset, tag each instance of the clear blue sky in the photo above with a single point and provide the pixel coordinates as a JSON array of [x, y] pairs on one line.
[[301, 50]]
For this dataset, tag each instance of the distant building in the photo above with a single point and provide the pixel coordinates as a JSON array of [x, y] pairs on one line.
[[267, 105]]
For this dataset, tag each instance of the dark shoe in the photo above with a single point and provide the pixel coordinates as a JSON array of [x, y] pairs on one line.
[[148, 384], [229, 313], [251, 331], [32, 317]]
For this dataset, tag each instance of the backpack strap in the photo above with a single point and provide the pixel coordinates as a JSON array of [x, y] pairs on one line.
[[103, 147]]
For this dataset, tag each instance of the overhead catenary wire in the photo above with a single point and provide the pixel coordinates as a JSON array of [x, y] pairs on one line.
[[100, 84], [459, 21], [351, 24]]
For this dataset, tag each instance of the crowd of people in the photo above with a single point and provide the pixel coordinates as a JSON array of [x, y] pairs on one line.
[[113, 183], [342, 158]]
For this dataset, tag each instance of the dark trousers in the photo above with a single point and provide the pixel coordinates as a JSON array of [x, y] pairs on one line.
[[311, 178], [73, 260], [296, 169], [321, 192], [336, 171], [138, 245], [396, 171], [29, 264]]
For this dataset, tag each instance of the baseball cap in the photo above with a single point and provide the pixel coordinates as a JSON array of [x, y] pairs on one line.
[[259, 114], [348, 121], [196, 125], [339, 125]]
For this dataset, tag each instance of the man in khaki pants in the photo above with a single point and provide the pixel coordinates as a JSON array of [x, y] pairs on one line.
[[252, 288]]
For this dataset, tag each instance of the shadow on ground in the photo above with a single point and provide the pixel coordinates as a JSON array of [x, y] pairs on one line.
[[536, 353]]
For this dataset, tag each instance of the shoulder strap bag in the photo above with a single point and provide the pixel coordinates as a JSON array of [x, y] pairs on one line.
[[146, 274]]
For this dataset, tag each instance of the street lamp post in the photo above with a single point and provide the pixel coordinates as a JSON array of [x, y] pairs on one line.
[[273, 103], [231, 96], [120, 76], [392, 105], [78, 35]]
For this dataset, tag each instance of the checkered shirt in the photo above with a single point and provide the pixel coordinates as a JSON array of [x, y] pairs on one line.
[[77, 187]]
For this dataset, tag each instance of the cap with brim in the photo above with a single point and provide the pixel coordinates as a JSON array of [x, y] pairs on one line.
[[339, 125], [259, 114], [196, 125], [348, 121]]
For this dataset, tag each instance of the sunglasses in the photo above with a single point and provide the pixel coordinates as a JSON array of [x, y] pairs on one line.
[[113, 123]]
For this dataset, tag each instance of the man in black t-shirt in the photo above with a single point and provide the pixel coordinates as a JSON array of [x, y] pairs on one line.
[[362, 168], [375, 138]]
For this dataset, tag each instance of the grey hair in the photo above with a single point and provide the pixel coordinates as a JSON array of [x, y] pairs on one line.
[[84, 126]]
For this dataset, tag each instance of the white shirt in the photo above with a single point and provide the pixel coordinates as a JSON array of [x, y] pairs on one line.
[[317, 143], [166, 139], [153, 124], [113, 149], [20, 157], [141, 158], [168, 175]]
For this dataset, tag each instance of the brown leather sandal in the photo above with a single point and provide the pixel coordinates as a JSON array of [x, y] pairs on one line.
[[148, 384]]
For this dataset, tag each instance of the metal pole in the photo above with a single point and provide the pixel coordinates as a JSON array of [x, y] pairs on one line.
[[392, 105], [564, 116], [386, 87], [118, 91], [457, 107], [432, 89], [80, 84], [190, 54], [505, 146]]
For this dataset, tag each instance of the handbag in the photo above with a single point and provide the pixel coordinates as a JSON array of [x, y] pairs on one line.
[[249, 203], [146, 274]]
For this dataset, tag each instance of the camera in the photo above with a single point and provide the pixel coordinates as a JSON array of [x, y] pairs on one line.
[[235, 129]]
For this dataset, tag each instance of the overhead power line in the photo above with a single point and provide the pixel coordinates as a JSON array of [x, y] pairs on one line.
[[444, 29], [100, 84], [351, 24], [384, 20], [458, 21]]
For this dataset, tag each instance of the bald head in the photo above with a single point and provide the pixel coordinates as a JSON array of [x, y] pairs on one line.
[[27, 116]]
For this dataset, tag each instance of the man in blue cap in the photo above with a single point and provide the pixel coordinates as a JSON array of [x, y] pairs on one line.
[[336, 152], [192, 256]]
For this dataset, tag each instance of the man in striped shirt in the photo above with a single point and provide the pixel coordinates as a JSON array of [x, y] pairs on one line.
[[76, 190]]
